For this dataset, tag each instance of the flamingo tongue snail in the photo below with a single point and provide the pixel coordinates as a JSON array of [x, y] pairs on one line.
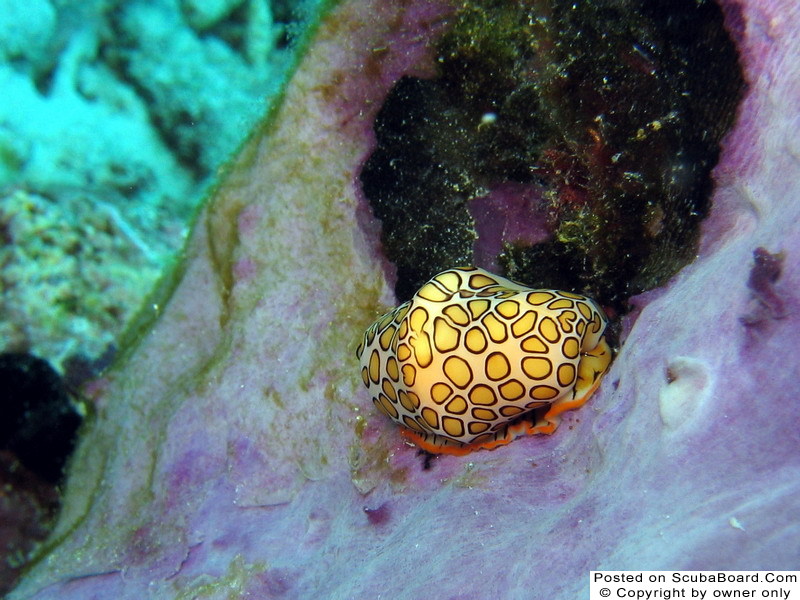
[[466, 362]]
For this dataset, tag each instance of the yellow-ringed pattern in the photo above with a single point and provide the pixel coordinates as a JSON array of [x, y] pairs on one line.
[[466, 363]]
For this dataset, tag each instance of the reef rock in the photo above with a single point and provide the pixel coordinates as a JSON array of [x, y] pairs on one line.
[[235, 453]]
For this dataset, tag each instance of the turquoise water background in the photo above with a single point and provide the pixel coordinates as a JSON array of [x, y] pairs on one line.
[[115, 117]]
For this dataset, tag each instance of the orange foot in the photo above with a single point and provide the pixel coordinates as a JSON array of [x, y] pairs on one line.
[[591, 369]]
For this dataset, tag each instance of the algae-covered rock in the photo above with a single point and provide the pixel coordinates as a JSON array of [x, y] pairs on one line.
[[599, 113], [234, 452]]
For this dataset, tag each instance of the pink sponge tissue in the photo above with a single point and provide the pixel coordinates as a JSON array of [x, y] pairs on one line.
[[235, 453]]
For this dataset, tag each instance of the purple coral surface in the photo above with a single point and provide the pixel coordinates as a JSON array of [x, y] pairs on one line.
[[236, 454]]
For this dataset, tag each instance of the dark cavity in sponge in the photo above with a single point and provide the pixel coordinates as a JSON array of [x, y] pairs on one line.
[[605, 106], [39, 421]]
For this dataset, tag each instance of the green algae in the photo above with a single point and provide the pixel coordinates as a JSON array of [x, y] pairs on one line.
[[274, 397], [232, 584]]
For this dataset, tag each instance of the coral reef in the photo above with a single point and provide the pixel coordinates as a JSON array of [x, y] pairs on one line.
[[116, 116], [73, 271], [235, 453]]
